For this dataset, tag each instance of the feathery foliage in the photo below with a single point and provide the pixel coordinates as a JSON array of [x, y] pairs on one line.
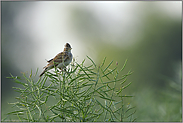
[[79, 94]]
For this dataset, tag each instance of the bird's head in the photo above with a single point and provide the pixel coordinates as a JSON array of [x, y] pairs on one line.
[[67, 47]]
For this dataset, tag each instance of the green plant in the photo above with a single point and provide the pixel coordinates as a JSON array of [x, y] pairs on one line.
[[80, 94]]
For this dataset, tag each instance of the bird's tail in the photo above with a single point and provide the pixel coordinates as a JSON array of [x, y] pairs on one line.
[[42, 73]]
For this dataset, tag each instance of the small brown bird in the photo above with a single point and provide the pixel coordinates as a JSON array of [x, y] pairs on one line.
[[61, 60]]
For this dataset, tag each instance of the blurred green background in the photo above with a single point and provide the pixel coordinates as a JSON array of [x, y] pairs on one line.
[[148, 34]]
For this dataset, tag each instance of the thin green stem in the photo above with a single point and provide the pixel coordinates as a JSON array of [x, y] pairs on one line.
[[81, 93]]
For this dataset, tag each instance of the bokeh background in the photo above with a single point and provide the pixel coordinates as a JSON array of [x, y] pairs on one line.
[[148, 34]]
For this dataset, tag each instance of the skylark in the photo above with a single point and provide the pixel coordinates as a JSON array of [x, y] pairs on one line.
[[61, 60]]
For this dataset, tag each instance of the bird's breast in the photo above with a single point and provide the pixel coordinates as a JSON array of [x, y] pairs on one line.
[[67, 62]]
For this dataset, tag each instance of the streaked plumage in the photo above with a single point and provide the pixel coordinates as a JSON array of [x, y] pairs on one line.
[[61, 60]]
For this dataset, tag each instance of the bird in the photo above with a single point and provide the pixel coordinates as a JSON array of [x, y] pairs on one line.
[[61, 60]]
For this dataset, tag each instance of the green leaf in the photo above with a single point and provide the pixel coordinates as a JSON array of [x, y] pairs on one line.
[[127, 85], [124, 65], [102, 105], [91, 61], [109, 72], [129, 109], [103, 62], [108, 66], [83, 70], [102, 97], [17, 112]]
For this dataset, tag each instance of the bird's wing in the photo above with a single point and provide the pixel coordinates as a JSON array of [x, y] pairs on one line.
[[49, 60], [60, 57], [63, 56]]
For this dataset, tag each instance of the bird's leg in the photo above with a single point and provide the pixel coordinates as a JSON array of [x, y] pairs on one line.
[[62, 69]]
